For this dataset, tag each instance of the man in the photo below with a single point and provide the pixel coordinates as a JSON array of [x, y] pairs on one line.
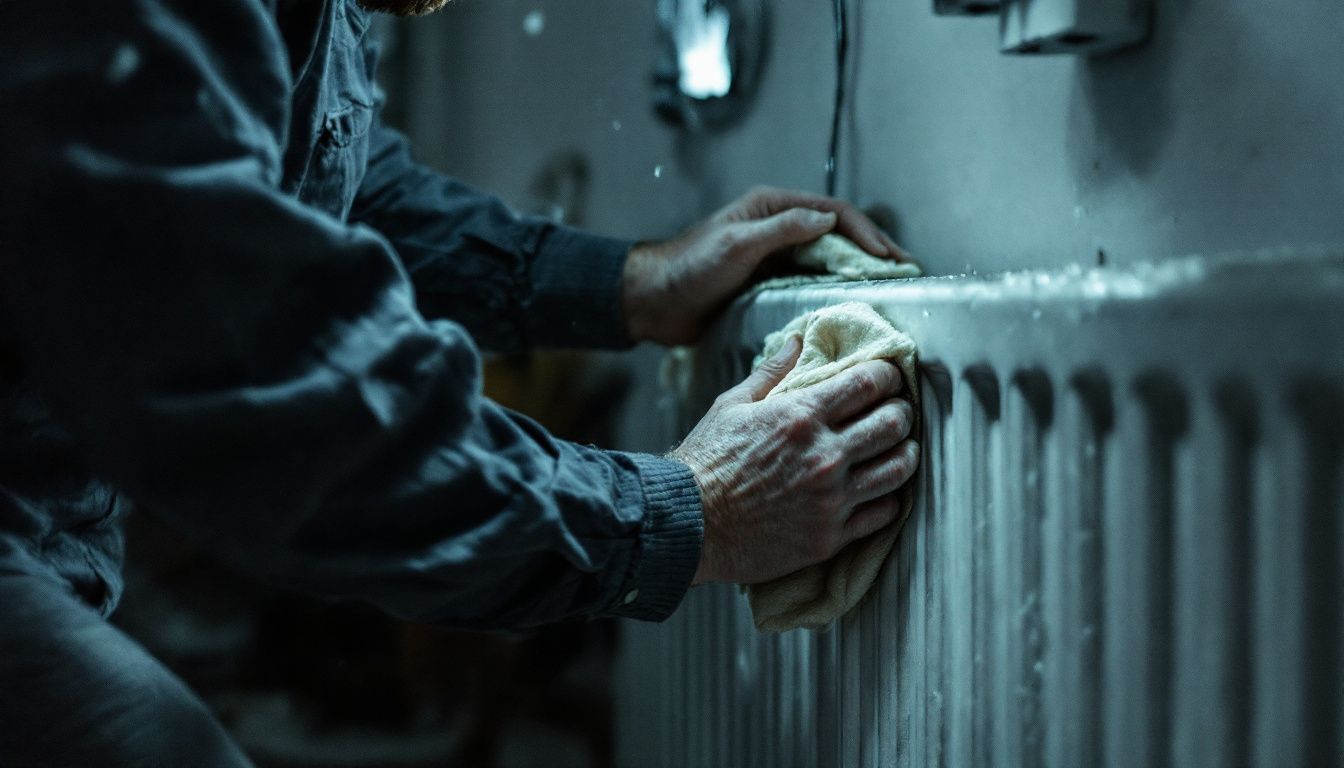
[[229, 295]]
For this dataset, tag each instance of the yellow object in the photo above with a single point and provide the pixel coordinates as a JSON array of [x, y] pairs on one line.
[[836, 255], [834, 339]]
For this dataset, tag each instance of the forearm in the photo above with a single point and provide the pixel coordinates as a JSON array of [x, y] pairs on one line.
[[514, 281], [258, 374]]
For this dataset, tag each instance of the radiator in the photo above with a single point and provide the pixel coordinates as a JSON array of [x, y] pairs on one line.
[[1125, 549]]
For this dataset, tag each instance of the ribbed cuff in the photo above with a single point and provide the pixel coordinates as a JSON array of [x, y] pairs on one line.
[[576, 291], [669, 544]]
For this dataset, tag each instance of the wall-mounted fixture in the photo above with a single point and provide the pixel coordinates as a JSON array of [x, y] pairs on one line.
[[711, 54], [965, 7], [1081, 27], [1072, 26]]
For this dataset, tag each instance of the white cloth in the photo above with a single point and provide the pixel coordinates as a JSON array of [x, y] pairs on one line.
[[834, 258], [834, 254], [834, 339]]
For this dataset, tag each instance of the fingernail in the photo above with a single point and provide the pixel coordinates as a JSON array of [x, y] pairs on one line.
[[791, 345], [876, 247], [822, 219]]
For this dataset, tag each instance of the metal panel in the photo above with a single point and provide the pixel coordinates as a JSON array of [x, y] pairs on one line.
[[1125, 549], [1072, 26], [965, 7]]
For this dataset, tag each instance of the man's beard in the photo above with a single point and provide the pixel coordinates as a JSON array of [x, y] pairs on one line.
[[404, 7]]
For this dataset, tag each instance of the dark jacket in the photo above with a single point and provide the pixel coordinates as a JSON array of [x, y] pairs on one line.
[[228, 294]]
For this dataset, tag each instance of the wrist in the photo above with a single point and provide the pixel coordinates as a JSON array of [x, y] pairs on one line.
[[710, 569], [669, 541], [639, 275]]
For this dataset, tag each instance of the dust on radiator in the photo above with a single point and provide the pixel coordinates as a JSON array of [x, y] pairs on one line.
[[1125, 551]]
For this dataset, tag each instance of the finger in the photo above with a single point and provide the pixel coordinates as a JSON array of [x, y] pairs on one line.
[[850, 221], [851, 392], [884, 474], [762, 237], [860, 229], [871, 517], [879, 429], [768, 375], [897, 252]]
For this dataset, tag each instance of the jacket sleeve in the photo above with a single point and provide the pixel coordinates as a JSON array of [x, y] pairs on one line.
[[514, 281], [256, 372]]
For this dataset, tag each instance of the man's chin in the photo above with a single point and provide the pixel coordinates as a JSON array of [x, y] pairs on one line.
[[403, 7]]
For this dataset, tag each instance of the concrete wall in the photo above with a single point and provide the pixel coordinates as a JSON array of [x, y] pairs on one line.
[[1224, 132]]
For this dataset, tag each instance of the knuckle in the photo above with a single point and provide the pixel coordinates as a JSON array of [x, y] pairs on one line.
[[759, 191], [823, 465], [789, 226], [814, 399], [881, 477], [902, 468], [905, 416], [891, 377], [804, 410], [911, 451], [864, 383], [891, 422], [796, 424], [729, 240], [837, 459]]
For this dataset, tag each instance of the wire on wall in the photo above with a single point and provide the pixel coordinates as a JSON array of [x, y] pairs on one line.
[[841, 60]]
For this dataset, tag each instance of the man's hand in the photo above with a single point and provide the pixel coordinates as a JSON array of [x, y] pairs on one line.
[[787, 482], [670, 290]]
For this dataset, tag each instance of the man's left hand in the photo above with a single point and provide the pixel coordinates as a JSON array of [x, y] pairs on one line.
[[670, 290]]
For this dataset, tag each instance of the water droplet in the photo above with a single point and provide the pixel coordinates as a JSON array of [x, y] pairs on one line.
[[926, 313], [534, 23], [657, 171]]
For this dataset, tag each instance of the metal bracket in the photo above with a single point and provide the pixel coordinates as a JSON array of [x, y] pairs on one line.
[[1081, 27], [965, 7]]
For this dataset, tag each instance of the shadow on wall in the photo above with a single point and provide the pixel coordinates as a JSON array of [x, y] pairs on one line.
[[1123, 108]]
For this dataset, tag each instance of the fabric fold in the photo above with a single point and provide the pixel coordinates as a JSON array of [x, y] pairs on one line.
[[835, 339]]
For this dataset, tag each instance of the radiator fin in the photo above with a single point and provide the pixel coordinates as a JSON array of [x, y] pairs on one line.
[[1125, 550]]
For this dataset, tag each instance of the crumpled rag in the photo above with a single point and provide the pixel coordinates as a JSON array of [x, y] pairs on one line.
[[835, 338]]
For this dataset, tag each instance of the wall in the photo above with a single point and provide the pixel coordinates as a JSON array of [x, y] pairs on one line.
[[1223, 133]]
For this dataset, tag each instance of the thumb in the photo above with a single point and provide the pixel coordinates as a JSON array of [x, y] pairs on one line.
[[796, 226], [768, 375]]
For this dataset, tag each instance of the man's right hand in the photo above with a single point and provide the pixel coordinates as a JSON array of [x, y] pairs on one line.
[[789, 481]]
